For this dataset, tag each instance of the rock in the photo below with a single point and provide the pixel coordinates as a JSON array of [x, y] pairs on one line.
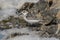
[[52, 29], [48, 15]]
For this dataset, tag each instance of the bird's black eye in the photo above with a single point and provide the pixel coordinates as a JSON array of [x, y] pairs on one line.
[[50, 3]]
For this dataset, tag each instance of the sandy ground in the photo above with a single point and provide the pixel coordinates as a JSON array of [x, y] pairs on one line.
[[32, 35]]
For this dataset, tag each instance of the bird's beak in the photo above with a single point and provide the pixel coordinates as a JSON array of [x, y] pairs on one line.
[[20, 14]]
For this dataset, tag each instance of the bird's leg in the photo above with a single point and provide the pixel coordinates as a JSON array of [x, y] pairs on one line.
[[58, 29]]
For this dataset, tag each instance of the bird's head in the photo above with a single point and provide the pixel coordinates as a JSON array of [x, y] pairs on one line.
[[24, 12]]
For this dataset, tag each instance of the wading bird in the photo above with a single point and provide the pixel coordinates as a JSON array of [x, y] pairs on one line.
[[24, 14]]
